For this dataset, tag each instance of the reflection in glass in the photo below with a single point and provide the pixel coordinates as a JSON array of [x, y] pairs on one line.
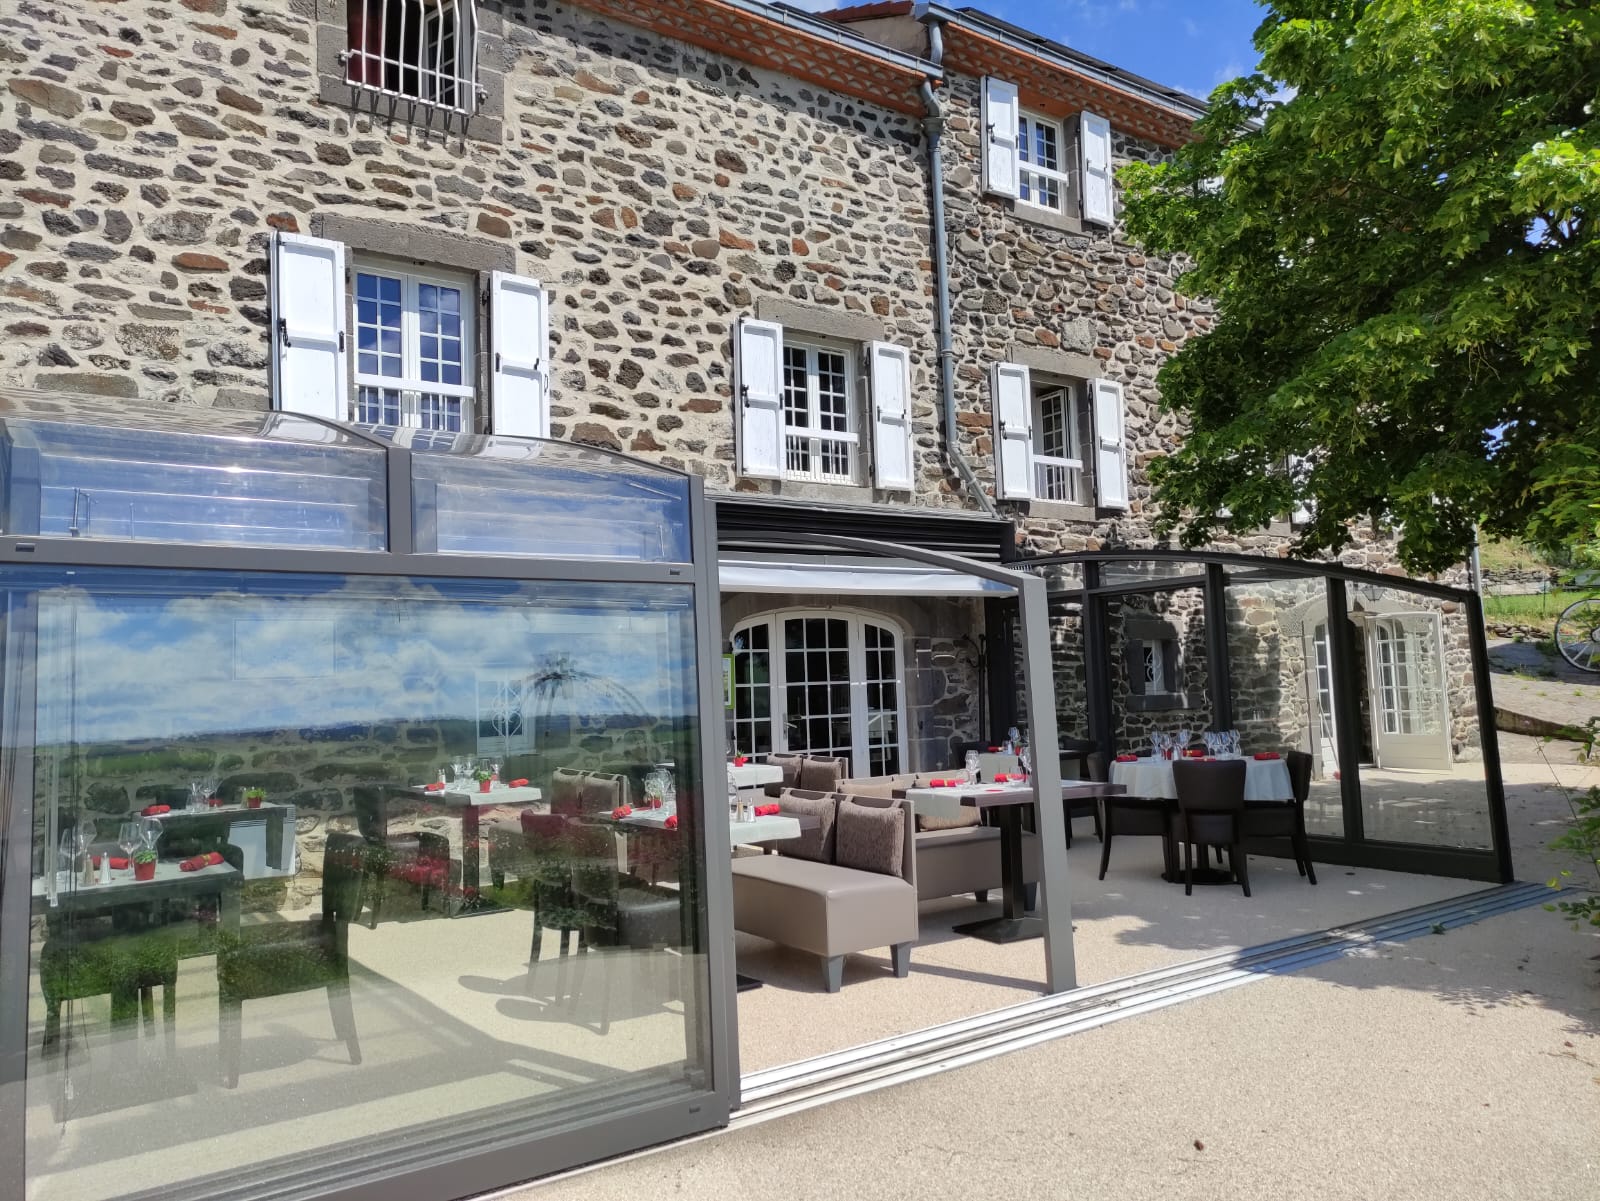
[[341, 958]]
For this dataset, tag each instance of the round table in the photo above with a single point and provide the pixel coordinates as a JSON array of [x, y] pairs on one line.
[[1264, 779]]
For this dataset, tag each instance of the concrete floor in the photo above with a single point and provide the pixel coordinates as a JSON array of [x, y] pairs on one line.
[[1464, 1066]]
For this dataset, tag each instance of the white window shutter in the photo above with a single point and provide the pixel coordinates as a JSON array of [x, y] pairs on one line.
[[1111, 448], [308, 327], [1002, 114], [1011, 395], [892, 463], [519, 339], [1094, 144], [1304, 508], [758, 395]]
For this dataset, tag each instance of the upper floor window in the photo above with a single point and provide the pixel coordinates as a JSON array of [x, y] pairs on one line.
[[1057, 459], [819, 413], [805, 409], [416, 49], [1060, 166], [414, 351], [1040, 180]]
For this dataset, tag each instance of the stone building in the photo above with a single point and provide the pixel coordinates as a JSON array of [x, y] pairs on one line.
[[714, 235]]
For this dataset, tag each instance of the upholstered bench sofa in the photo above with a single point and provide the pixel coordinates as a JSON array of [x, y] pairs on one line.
[[955, 855], [849, 885]]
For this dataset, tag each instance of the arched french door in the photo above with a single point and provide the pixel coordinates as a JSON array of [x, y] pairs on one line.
[[822, 682]]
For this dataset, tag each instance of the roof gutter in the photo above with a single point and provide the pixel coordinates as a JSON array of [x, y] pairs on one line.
[[933, 126], [932, 15]]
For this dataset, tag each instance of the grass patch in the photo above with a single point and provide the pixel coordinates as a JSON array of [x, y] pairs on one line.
[[1510, 554], [1535, 609]]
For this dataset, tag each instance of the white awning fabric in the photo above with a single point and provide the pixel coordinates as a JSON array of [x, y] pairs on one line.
[[849, 575]]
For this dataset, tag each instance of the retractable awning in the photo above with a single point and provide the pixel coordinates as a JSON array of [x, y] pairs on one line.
[[849, 575]]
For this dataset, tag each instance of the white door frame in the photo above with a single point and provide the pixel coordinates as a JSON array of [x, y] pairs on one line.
[[778, 682], [1397, 750]]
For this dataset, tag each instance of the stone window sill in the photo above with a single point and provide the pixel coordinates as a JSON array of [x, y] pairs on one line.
[[1157, 701], [1047, 218], [1057, 511]]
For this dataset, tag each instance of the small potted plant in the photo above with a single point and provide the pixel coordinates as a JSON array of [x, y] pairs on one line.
[[144, 864], [484, 777], [253, 796]]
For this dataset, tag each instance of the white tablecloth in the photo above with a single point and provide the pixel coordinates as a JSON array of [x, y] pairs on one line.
[[754, 775], [1264, 779]]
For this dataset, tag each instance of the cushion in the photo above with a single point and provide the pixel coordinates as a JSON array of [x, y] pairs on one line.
[[818, 844], [871, 839], [969, 816], [791, 768], [821, 774]]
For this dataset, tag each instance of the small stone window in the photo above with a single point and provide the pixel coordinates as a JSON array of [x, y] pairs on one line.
[[1154, 665], [429, 63]]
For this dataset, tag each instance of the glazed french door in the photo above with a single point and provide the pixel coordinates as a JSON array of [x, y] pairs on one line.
[[1406, 659], [820, 683]]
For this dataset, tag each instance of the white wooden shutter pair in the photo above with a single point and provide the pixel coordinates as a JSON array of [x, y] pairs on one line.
[[1011, 397], [1001, 116], [311, 372], [758, 404]]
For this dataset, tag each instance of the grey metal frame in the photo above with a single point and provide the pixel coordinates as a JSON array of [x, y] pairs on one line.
[[490, 1157], [1055, 903], [1353, 848]]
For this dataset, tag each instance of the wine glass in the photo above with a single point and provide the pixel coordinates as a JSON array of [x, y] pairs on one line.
[[129, 838], [1183, 739], [971, 767]]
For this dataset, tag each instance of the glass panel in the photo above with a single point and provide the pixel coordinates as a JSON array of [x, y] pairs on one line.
[[1422, 776], [274, 479], [1281, 677], [883, 701], [1143, 571], [511, 496], [1160, 678], [321, 999]]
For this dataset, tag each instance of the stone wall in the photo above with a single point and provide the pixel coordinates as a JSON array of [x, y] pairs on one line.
[[659, 190]]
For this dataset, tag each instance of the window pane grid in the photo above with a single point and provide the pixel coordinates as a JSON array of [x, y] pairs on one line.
[[818, 414], [1057, 465], [413, 340], [1039, 143]]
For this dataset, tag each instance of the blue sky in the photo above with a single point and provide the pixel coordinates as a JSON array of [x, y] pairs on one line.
[[1189, 44]]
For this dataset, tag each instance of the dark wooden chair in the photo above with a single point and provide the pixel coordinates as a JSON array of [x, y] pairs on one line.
[[1094, 768], [417, 858], [1135, 815], [624, 912], [277, 957], [1286, 819], [1211, 813]]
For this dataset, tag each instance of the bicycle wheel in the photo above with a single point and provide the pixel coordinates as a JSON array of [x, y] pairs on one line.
[[1578, 634]]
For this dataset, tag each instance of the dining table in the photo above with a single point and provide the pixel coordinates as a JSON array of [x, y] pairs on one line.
[[471, 801], [754, 775], [170, 881], [1007, 800], [1266, 779]]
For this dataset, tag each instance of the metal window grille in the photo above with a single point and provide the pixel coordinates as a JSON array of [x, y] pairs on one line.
[[424, 50]]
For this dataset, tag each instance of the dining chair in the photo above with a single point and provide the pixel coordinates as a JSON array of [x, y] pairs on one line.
[[1211, 813], [621, 912], [1286, 819], [271, 958], [1094, 769], [418, 858]]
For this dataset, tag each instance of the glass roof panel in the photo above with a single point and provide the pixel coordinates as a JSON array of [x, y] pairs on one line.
[[85, 469], [476, 494]]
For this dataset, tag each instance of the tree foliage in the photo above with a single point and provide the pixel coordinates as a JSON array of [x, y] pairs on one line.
[[1395, 220]]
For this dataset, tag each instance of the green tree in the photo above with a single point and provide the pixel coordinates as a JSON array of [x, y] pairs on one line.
[[1392, 218]]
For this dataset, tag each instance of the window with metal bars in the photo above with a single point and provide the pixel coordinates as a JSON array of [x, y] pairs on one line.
[[819, 413], [416, 49], [414, 351]]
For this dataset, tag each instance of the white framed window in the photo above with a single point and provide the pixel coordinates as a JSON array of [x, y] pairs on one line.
[[1040, 180], [505, 717], [414, 350], [820, 421], [1057, 453], [416, 49]]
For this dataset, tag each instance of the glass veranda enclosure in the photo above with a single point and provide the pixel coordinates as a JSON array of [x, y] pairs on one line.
[[295, 724]]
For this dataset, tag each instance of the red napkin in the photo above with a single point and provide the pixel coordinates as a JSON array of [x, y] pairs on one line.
[[768, 810], [622, 811], [435, 787], [519, 783], [214, 801], [152, 810], [994, 750], [672, 822], [1268, 755], [1127, 758], [209, 859], [1195, 753], [938, 783], [118, 863]]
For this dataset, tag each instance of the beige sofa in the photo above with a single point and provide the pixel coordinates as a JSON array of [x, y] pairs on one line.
[[956, 855], [850, 885]]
